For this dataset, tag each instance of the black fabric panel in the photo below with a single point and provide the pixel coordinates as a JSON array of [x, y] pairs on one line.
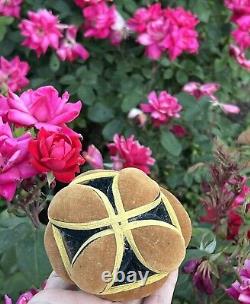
[[131, 263], [159, 213], [104, 184], [74, 239]]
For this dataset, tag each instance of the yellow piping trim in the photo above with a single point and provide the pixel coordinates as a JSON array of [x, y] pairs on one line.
[[121, 228]]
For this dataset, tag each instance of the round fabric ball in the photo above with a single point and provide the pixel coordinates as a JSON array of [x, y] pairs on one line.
[[116, 234]]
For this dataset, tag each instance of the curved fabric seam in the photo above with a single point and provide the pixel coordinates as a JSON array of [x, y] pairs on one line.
[[120, 231], [90, 240], [106, 222]]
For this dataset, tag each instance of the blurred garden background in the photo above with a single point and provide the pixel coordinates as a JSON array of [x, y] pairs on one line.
[[158, 85]]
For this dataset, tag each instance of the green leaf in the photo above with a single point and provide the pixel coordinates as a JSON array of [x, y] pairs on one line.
[[8, 237], [32, 259], [170, 143], [86, 94], [114, 126], [100, 113], [54, 63]]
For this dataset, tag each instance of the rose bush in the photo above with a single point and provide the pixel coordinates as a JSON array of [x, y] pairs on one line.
[[157, 85]]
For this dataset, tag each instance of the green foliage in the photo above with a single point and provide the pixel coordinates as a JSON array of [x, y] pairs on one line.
[[23, 261], [110, 83]]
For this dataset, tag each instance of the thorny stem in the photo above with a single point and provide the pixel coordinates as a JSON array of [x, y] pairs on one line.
[[32, 205]]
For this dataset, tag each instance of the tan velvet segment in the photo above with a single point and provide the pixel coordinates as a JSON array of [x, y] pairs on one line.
[[182, 215], [53, 254], [137, 293], [77, 204], [162, 248], [98, 257], [136, 188]]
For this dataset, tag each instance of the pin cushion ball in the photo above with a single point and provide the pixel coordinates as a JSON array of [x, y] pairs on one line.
[[116, 222]]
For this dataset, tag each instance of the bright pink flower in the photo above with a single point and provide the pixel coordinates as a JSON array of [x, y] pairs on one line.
[[41, 30], [42, 108], [7, 300], [23, 299], [4, 107], [165, 30], [199, 90], [104, 22], [240, 291], [69, 49], [161, 108], [229, 108], [241, 34], [183, 36], [84, 3], [93, 157], [128, 152], [10, 8], [245, 191], [179, 131], [238, 7], [240, 57], [152, 28], [14, 161], [13, 74]]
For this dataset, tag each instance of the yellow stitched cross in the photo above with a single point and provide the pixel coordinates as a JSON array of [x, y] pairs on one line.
[[120, 223]]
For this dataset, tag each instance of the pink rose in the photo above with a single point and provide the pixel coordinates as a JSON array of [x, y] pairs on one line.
[[238, 7], [128, 152], [15, 162], [84, 3], [240, 57], [93, 157], [13, 74], [165, 30], [10, 8], [241, 34], [42, 108], [41, 30], [162, 107], [69, 49], [103, 22], [4, 107], [199, 90]]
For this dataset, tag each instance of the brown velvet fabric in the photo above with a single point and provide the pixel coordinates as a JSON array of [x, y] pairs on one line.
[[136, 188], [77, 204], [98, 257], [162, 248], [54, 255], [182, 215]]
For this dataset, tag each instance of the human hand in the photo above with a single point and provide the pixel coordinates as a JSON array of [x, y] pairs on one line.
[[58, 291]]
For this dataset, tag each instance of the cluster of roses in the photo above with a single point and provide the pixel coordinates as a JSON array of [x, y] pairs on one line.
[[241, 18], [56, 148], [159, 30], [169, 30]]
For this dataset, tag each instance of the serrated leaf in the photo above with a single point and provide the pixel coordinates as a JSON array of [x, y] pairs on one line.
[[170, 143]]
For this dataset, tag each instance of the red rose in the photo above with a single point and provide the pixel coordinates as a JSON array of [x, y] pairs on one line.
[[57, 152]]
